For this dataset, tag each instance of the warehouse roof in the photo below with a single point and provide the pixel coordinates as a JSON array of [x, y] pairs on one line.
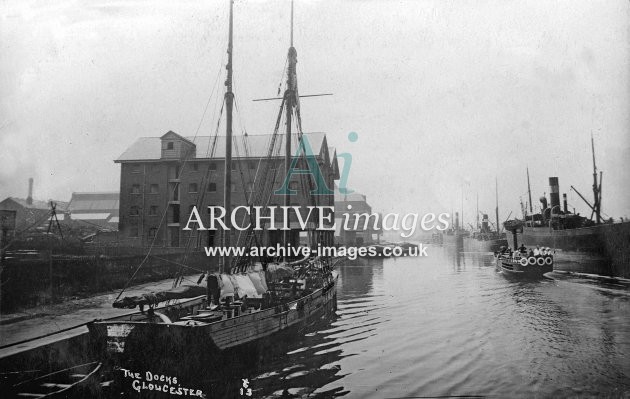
[[256, 146]]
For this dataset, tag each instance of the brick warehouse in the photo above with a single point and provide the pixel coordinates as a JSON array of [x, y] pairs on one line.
[[162, 178]]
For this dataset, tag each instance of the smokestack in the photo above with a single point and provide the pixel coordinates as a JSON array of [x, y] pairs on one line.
[[554, 194], [485, 225], [29, 199], [456, 220], [564, 200]]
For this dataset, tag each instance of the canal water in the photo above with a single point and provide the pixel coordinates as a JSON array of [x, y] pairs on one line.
[[450, 325]]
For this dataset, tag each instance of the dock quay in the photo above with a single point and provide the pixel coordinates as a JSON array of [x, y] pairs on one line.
[[31, 337]]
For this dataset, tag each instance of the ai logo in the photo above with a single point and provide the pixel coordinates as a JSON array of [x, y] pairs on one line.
[[314, 170], [245, 389]]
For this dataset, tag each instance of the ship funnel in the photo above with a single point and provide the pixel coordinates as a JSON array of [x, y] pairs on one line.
[[29, 199], [554, 194], [456, 220], [484, 223], [564, 200]]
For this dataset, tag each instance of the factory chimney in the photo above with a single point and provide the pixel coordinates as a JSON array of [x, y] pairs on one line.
[[29, 199]]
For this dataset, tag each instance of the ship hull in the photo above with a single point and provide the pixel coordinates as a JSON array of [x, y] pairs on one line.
[[514, 268], [603, 249], [142, 344]]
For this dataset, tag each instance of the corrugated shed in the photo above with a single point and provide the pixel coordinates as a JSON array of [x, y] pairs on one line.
[[90, 216], [97, 201]]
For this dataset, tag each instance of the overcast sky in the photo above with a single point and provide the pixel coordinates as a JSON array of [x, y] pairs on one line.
[[444, 95]]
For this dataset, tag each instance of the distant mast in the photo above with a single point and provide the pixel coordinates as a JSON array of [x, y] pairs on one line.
[[290, 99], [529, 192], [597, 188], [225, 262], [478, 228], [496, 209]]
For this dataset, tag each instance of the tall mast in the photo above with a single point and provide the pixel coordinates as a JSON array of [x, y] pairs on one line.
[[477, 211], [227, 190], [596, 203], [529, 192], [462, 206], [290, 100], [496, 209]]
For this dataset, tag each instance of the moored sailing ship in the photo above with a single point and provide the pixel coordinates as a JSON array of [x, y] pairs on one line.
[[249, 298]]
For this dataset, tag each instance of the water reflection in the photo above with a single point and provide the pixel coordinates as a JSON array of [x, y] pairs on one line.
[[447, 324]]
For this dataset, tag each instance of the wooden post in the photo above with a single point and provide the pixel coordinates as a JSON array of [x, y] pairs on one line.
[[3, 243], [50, 275]]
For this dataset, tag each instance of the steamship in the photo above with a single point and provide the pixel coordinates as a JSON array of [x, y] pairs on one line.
[[455, 235], [484, 240], [581, 244]]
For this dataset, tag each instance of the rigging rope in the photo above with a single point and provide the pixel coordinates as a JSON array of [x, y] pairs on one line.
[[175, 187]]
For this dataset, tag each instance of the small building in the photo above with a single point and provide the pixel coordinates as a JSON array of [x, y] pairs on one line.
[[32, 214], [355, 224], [98, 210]]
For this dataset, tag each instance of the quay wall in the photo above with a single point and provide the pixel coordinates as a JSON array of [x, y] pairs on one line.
[[38, 279], [55, 355], [617, 239]]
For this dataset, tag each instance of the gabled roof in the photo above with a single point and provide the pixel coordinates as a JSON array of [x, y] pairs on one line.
[[171, 135], [150, 148], [96, 201], [323, 152], [37, 204], [335, 166]]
